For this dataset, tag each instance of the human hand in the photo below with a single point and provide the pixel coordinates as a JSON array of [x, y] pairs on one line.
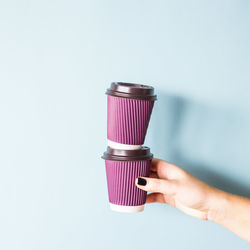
[[175, 186], [170, 184]]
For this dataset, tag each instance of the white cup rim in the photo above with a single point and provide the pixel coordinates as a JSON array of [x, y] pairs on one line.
[[117, 145]]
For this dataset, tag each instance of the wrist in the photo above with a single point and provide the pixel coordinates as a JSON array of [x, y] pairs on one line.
[[218, 208]]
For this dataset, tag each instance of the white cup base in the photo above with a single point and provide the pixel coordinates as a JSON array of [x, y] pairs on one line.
[[126, 209], [117, 145]]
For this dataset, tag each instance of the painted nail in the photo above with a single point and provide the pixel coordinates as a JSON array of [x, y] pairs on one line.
[[141, 181]]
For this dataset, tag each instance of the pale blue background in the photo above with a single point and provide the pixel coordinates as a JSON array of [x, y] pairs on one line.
[[56, 60]]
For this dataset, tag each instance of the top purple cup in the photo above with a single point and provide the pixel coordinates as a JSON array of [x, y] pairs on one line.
[[129, 109]]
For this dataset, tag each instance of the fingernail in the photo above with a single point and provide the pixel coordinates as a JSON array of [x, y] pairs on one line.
[[141, 181]]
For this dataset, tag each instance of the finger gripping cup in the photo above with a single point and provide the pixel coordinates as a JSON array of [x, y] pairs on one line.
[[122, 169], [129, 110]]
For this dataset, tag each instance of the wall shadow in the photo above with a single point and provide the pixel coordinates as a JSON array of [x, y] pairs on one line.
[[210, 142], [216, 178]]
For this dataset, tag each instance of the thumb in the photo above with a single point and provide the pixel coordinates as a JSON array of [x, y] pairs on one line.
[[156, 185]]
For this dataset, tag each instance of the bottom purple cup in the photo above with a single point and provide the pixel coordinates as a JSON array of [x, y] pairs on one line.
[[122, 169]]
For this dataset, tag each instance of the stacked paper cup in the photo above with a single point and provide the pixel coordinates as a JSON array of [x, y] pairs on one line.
[[129, 110]]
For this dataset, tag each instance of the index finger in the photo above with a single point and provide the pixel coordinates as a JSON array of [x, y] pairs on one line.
[[162, 166], [157, 164]]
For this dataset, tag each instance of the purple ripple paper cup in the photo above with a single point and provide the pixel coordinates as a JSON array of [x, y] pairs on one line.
[[129, 109], [122, 169]]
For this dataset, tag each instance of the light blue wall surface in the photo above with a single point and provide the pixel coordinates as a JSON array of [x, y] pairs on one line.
[[56, 60]]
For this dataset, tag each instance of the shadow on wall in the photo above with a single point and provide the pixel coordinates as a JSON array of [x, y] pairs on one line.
[[212, 143]]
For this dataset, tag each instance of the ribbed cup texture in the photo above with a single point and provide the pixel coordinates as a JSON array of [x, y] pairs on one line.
[[128, 119], [121, 176]]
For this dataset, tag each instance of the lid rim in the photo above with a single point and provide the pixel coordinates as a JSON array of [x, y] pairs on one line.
[[130, 96], [127, 155], [125, 158], [132, 91]]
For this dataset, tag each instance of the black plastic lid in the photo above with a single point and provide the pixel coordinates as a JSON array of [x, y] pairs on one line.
[[127, 155], [132, 91]]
